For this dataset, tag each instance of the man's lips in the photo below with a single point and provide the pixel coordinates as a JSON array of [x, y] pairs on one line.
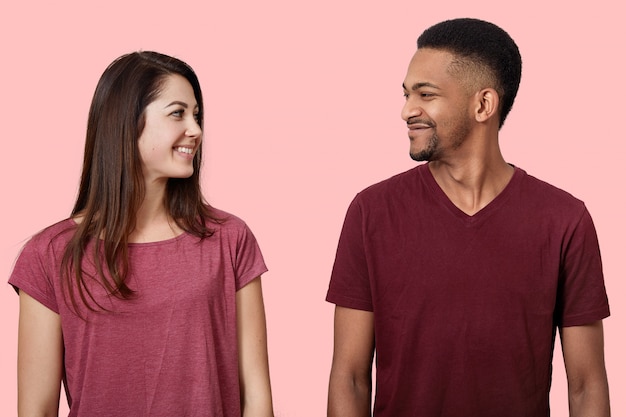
[[418, 126]]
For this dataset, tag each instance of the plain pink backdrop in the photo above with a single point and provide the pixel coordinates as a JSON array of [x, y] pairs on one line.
[[303, 103]]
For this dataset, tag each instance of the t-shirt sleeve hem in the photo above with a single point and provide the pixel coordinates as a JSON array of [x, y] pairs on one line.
[[348, 302], [250, 276], [586, 318], [34, 293]]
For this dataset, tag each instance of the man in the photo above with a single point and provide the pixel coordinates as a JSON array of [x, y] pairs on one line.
[[458, 272]]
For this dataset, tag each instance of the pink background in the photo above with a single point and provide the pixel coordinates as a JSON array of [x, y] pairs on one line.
[[303, 104]]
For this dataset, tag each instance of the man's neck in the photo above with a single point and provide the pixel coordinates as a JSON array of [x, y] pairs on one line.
[[472, 183]]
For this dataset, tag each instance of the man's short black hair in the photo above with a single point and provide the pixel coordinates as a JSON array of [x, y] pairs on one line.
[[486, 46]]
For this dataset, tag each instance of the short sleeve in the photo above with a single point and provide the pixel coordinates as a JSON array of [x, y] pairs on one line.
[[31, 273], [582, 295], [349, 283], [249, 260]]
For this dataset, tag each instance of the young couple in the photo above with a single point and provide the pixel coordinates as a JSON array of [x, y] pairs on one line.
[[147, 301]]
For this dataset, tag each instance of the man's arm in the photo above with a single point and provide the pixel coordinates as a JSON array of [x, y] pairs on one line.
[[583, 353], [350, 387]]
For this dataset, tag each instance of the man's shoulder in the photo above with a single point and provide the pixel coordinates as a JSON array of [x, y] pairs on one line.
[[546, 193], [394, 185]]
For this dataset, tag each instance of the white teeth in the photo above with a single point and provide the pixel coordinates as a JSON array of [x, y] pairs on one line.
[[184, 150]]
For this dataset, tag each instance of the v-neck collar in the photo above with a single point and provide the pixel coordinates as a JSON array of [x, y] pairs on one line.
[[483, 213]]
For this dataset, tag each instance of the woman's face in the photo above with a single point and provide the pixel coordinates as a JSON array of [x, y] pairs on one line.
[[171, 135]]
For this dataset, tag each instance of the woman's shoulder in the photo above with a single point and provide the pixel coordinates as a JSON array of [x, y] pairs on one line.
[[223, 217], [59, 231], [49, 241], [226, 221]]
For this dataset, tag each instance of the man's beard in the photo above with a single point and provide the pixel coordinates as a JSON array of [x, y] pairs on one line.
[[428, 153], [433, 150]]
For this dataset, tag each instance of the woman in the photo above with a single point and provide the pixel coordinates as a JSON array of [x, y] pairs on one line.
[[146, 301]]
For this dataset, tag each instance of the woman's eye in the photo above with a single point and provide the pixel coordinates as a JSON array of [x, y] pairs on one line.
[[177, 113], [196, 116]]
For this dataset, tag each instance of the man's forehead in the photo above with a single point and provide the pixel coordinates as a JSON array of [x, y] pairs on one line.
[[426, 58], [428, 66]]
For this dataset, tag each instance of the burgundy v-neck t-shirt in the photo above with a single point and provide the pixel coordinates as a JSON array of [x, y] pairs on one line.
[[465, 307]]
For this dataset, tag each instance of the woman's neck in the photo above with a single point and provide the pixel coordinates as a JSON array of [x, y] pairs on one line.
[[153, 221]]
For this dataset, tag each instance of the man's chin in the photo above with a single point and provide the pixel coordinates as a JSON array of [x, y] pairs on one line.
[[421, 156]]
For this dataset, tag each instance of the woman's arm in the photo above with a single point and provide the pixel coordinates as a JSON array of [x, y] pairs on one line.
[[254, 377], [39, 359]]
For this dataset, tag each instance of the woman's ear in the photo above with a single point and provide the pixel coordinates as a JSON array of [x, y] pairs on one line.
[[487, 104]]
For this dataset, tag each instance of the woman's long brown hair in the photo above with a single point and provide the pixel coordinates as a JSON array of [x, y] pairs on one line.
[[112, 184]]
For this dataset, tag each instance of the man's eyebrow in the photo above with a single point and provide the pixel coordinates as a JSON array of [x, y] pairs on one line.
[[420, 85], [179, 103]]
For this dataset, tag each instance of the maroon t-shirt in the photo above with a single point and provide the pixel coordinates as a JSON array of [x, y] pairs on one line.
[[466, 307], [172, 350]]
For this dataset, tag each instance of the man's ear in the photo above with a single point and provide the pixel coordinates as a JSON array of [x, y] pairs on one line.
[[487, 104]]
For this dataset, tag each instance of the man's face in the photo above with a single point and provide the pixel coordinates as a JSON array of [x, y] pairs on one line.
[[437, 109]]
